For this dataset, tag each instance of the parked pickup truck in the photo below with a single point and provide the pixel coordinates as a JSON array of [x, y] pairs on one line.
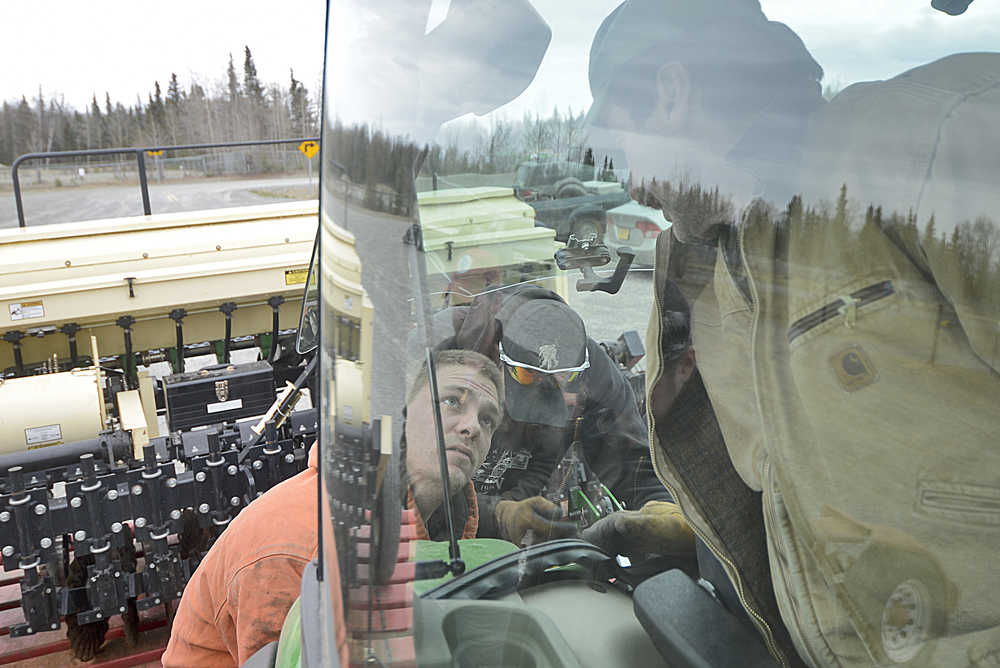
[[566, 198]]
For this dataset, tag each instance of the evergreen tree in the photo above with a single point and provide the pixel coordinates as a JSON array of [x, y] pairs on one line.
[[252, 87], [24, 127], [299, 108], [232, 83], [6, 135], [174, 93], [929, 240]]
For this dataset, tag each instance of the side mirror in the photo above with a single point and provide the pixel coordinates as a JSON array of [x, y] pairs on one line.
[[308, 335]]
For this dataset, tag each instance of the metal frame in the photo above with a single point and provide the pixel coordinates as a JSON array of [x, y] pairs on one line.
[[140, 159]]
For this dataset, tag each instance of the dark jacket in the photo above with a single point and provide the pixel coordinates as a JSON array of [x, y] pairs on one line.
[[606, 421]]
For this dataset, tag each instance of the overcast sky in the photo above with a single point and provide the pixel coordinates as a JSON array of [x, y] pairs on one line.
[[77, 49]]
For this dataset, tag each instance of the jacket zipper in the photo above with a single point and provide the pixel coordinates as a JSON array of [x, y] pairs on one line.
[[768, 635], [769, 641], [755, 309], [861, 297]]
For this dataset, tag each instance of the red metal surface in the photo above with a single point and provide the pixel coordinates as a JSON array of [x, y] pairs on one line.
[[63, 645], [148, 656]]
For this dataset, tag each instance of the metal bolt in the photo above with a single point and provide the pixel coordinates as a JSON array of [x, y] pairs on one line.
[[80, 535], [203, 508], [116, 527], [8, 551], [218, 247], [4, 516], [232, 469], [76, 502], [257, 464], [179, 594], [289, 458], [29, 630], [200, 476], [156, 601], [118, 574], [175, 514], [140, 522], [171, 482], [99, 616], [121, 609], [54, 626], [145, 256], [41, 508], [137, 490], [152, 567], [46, 543], [235, 501], [112, 494], [259, 494]]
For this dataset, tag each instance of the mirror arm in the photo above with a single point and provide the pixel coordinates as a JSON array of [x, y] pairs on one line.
[[592, 282]]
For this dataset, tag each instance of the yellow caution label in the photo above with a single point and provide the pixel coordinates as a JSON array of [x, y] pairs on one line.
[[26, 309], [296, 276], [309, 148], [155, 153]]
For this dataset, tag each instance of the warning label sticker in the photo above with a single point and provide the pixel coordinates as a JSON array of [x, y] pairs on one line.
[[25, 310], [296, 276], [37, 437]]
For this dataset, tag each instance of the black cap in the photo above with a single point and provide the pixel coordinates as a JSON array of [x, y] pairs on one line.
[[547, 334]]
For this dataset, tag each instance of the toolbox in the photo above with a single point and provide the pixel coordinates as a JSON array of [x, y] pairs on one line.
[[218, 393]]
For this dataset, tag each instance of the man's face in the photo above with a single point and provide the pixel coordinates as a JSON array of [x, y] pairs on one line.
[[470, 413]]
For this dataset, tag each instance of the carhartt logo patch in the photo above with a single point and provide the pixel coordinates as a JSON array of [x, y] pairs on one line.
[[854, 369]]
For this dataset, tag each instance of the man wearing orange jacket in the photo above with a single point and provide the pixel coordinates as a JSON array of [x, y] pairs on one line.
[[237, 599]]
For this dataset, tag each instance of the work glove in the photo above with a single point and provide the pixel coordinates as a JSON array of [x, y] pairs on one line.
[[657, 528], [537, 514], [85, 640]]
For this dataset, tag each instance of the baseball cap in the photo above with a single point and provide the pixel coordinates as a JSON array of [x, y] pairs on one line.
[[547, 336]]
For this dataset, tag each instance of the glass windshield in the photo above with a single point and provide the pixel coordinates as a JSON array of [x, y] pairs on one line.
[[621, 288]]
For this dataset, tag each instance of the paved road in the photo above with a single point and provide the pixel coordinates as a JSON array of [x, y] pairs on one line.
[[60, 205]]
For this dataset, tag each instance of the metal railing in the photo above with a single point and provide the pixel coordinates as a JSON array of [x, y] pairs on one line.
[[140, 158]]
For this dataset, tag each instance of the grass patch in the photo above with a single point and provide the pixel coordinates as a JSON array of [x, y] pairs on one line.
[[289, 192]]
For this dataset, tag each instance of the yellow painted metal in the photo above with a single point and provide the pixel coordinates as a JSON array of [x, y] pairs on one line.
[[133, 419], [99, 381], [342, 291], [478, 237], [49, 409], [148, 397], [80, 273]]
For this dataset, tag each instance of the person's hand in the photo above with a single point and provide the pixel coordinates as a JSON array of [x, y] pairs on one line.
[[658, 527], [85, 640], [538, 514]]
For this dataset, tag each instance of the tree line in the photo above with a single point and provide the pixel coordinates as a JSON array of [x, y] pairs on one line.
[[240, 107]]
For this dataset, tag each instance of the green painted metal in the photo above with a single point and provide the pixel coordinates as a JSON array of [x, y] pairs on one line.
[[289, 653], [475, 553]]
